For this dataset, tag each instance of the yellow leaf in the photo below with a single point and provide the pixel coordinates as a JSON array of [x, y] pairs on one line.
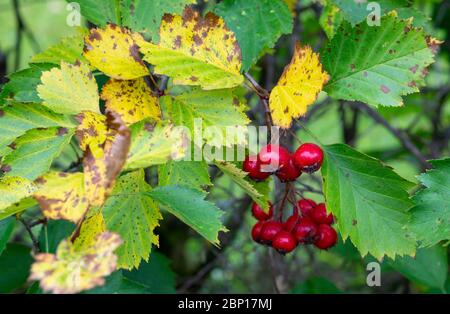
[[298, 87], [132, 100], [72, 269], [90, 228], [61, 196], [196, 51], [92, 132], [69, 90], [14, 189], [100, 173], [113, 51]]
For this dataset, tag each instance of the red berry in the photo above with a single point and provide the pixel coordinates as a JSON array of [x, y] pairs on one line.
[[273, 158], [306, 206], [289, 172], [290, 223], [327, 237], [253, 167], [319, 215], [269, 231], [306, 231], [259, 213], [256, 231], [284, 242], [308, 157]]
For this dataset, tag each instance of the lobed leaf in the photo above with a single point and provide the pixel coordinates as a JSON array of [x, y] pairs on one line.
[[377, 65], [22, 85], [134, 216], [13, 190], [369, 201], [100, 172], [16, 120], [73, 270], [92, 132], [298, 87], [430, 221], [196, 51], [132, 100], [62, 196], [258, 24], [69, 90], [37, 147], [113, 51]]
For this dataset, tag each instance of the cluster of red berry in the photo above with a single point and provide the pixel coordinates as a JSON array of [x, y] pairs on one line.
[[274, 159], [313, 226]]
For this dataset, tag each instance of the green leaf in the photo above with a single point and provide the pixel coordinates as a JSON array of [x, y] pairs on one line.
[[153, 145], [16, 120], [316, 285], [258, 24], [196, 51], [69, 49], [429, 267], [330, 19], [156, 275], [227, 112], [100, 12], [53, 233], [189, 206], [38, 147], [69, 90], [188, 173], [259, 192], [377, 65], [22, 85], [6, 230], [145, 16], [18, 207], [356, 12], [369, 200], [431, 214], [134, 216], [15, 265], [12, 190]]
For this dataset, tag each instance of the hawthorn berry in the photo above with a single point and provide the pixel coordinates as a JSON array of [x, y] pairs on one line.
[[289, 172], [326, 237], [284, 242], [259, 213], [273, 158], [306, 231], [320, 216], [308, 157], [256, 231], [253, 167], [269, 231], [306, 206], [290, 224]]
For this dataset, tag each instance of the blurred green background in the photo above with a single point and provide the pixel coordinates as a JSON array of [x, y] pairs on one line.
[[241, 266]]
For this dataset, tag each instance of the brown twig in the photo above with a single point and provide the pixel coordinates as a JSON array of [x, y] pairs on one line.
[[401, 136]]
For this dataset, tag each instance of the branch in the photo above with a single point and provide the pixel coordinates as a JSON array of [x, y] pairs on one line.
[[34, 240], [402, 137]]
